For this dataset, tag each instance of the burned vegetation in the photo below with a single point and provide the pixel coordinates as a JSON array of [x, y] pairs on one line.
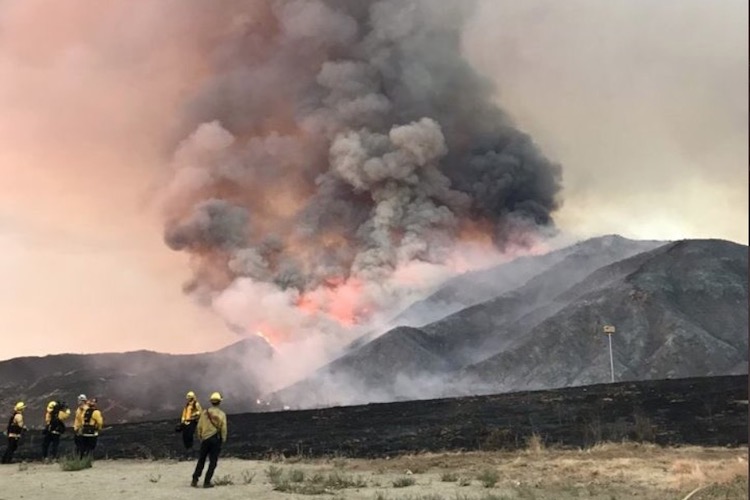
[[708, 411]]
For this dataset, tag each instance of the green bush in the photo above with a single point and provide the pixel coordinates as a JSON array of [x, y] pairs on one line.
[[74, 463], [338, 481], [296, 476], [449, 477], [403, 482], [274, 474], [488, 478]]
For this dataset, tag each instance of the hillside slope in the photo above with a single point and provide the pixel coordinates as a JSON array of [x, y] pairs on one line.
[[478, 286], [680, 310], [135, 385]]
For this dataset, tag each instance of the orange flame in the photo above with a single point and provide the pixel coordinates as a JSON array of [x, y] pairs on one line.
[[264, 337], [341, 300]]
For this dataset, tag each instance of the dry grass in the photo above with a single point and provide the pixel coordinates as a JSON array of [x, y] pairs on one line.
[[629, 465], [535, 444], [223, 480], [691, 473], [247, 477], [611, 470]]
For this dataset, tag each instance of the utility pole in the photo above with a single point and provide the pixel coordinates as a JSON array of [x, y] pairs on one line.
[[609, 330]]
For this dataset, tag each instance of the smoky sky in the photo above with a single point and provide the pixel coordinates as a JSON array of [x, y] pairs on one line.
[[335, 142], [641, 104], [644, 102]]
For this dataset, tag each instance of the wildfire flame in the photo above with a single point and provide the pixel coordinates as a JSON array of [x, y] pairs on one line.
[[261, 335]]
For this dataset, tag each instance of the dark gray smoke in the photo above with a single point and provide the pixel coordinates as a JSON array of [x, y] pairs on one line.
[[335, 142]]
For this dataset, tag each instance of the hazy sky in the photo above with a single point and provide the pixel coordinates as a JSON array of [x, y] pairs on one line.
[[644, 103]]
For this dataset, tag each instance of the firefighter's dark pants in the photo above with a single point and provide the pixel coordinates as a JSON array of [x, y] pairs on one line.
[[188, 433], [50, 444], [88, 445], [209, 448], [10, 450], [77, 443]]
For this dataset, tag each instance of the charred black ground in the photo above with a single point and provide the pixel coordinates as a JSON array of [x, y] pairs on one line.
[[709, 411]]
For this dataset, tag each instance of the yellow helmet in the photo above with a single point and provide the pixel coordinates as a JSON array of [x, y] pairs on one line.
[[20, 406], [51, 405], [215, 397], [190, 395]]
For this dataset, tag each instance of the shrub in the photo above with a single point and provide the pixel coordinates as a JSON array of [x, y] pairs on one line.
[[534, 443], [296, 476], [449, 477], [488, 478], [295, 482], [403, 482], [300, 488], [224, 480], [247, 477], [74, 463], [338, 481], [274, 474]]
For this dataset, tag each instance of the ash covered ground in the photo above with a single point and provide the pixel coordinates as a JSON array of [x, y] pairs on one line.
[[709, 411]]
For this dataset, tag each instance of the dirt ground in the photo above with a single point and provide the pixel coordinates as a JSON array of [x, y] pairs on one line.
[[609, 471]]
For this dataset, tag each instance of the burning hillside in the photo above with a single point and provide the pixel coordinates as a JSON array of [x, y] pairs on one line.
[[340, 158]]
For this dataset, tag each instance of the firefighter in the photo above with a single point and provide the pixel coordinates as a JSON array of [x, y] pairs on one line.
[[189, 420], [93, 422], [15, 430], [212, 432], [78, 422], [54, 426]]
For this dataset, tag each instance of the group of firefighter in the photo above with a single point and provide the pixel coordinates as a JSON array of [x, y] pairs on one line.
[[209, 425], [87, 423]]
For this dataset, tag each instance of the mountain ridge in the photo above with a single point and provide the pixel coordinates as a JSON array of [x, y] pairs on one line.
[[680, 309], [511, 323]]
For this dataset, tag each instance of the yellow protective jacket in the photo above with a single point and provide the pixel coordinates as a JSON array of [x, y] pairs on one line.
[[192, 411], [61, 415], [92, 427], [78, 420], [212, 420], [17, 421]]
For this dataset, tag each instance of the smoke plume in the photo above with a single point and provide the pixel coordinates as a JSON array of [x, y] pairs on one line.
[[340, 157]]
